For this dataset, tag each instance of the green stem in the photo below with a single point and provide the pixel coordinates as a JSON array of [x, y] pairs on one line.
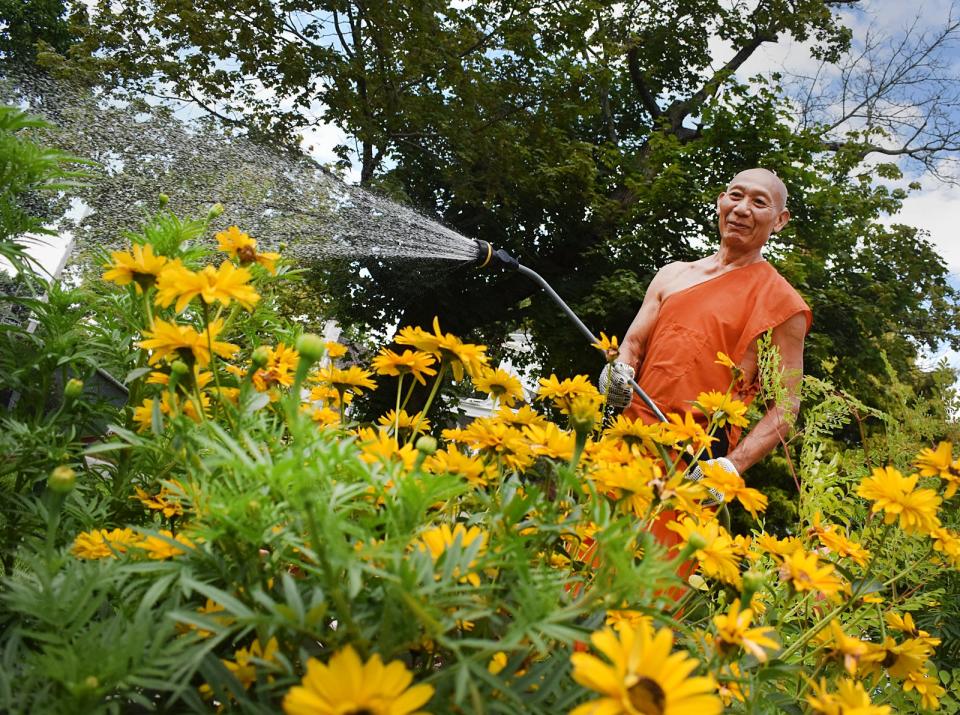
[[433, 394], [396, 418]]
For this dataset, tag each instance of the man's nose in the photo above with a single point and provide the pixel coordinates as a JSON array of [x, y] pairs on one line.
[[742, 206]]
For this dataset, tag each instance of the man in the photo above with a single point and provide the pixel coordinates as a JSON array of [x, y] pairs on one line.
[[721, 303]]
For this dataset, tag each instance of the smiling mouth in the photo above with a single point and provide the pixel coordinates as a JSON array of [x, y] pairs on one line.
[[738, 225]]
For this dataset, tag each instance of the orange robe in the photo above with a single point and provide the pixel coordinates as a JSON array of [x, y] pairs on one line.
[[723, 314]]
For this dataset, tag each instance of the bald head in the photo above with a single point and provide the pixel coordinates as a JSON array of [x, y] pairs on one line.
[[772, 182]]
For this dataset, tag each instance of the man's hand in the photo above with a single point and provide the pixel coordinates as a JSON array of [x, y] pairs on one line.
[[697, 474], [614, 382]]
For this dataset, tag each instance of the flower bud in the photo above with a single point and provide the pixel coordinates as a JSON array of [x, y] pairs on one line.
[[427, 444], [310, 347], [61, 479], [216, 210], [163, 199], [179, 368], [583, 414], [696, 541], [260, 357], [73, 389]]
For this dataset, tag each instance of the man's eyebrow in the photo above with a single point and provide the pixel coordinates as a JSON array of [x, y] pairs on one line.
[[763, 192]]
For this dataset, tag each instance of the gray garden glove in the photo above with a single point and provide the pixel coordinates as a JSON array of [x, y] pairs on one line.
[[614, 382], [696, 475]]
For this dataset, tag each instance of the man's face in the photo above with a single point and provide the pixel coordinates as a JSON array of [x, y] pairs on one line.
[[751, 209]]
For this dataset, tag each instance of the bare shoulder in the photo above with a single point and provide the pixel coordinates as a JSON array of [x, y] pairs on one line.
[[667, 275], [793, 328]]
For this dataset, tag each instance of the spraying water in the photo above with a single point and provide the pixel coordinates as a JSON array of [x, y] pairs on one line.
[[282, 199]]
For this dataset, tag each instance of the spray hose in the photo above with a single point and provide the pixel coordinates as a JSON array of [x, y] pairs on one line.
[[503, 260]]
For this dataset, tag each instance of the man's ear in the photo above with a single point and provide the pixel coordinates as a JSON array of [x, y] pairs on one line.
[[782, 221]]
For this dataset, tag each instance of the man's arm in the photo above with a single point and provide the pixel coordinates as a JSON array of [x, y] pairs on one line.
[[776, 424], [634, 344]]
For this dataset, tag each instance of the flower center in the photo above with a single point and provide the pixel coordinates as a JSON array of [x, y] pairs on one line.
[[647, 697]]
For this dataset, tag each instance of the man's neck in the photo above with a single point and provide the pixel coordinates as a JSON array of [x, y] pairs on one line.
[[726, 258]]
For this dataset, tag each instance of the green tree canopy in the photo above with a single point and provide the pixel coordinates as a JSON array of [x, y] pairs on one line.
[[590, 139]]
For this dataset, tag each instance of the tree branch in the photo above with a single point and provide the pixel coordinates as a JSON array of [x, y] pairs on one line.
[[647, 99]]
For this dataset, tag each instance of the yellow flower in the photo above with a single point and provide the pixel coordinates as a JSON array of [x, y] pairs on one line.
[[831, 538], [718, 557], [161, 501], [408, 363], [334, 349], [608, 346], [562, 393], [438, 540], [681, 430], [329, 394], [733, 630], [806, 574], [223, 284], [142, 267], [927, 686], [850, 699], [732, 685], [380, 446], [103, 544], [352, 379], [348, 685], [939, 463], [404, 421], [642, 677], [722, 409], [462, 357], [452, 461], [900, 659], [641, 438], [905, 624], [279, 370], [619, 618], [325, 417], [497, 440], [497, 663], [165, 545], [526, 416], [171, 341], [239, 245], [244, 665], [733, 487], [778, 547], [843, 647], [948, 543], [550, 441], [500, 385], [724, 359], [897, 496]]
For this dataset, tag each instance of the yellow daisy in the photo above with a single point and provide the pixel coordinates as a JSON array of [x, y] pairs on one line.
[[171, 341], [734, 631], [733, 487], [351, 379], [103, 544], [643, 676], [437, 540], [409, 362], [345, 684], [897, 496], [563, 392], [805, 573], [451, 461], [140, 266], [719, 557], [404, 421], [500, 385], [939, 463], [223, 284], [239, 245], [165, 545], [722, 409], [462, 357], [849, 698]]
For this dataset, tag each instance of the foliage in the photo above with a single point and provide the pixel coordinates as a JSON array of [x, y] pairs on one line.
[[236, 527]]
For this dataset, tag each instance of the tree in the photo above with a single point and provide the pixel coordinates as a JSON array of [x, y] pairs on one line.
[[25, 23], [587, 138]]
